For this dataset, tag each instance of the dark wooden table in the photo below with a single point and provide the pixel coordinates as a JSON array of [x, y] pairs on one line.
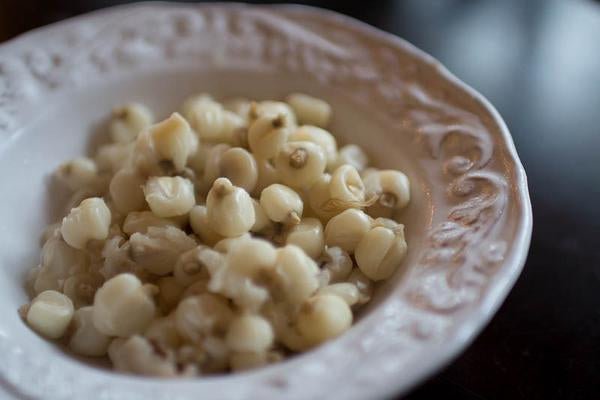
[[538, 61]]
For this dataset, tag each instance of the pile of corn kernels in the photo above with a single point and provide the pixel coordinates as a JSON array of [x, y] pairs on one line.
[[220, 239]]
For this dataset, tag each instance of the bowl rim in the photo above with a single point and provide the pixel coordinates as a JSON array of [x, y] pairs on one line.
[[495, 295]]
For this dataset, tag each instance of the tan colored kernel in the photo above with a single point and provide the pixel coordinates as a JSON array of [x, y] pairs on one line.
[[126, 190]]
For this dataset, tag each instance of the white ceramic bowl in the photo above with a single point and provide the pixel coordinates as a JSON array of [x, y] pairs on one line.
[[469, 223]]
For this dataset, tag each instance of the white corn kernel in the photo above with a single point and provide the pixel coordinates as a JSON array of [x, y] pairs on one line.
[[347, 291], [225, 245], [281, 204], [197, 160], [353, 155], [296, 274], [392, 189], [78, 173], [198, 316], [126, 190], [300, 164], [112, 157], [323, 317], [158, 249], [309, 109], [319, 198], [212, 167], [320, 137], [123, 307], [210, 119], [267, 175], [308, 235], [201, 226], [346, 229], [174, 140], [238, 105], [247, 260], [191, 266], [169, 196], [229, 209], [58, 262], [346, 185], [249, 333], [128, 120], [140, 221], [273, 109], [380, 252], [50, 314], [86, 340], [267, 135], [89, 221], [262, 222], [138, 355], [239, 166], [337, 264]]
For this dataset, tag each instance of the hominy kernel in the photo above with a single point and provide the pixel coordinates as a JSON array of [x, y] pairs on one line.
[[50, 313], [128, 120], [380, 252], [300, 164], [309, 109], [169, 196], [324, 317], [320, 137], [86, 339], [229, 209], [281, 204], [89, 221], [308, 235], [346, 229]]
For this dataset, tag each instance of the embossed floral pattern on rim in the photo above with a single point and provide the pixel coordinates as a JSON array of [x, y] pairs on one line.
[[433, 327]]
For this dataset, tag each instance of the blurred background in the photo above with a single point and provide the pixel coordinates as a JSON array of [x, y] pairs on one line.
[[538, 62]]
